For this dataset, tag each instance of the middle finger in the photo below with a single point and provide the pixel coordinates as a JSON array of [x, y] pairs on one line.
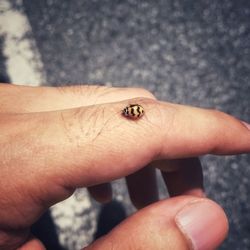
[[41, 99], [182, 176]]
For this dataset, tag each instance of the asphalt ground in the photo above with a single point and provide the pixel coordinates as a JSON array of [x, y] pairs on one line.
[[189, 52]]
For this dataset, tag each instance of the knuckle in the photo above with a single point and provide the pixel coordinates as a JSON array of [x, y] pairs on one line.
[[132, 93], [96, 92], [145, 100], [158, 118], [144, 93]]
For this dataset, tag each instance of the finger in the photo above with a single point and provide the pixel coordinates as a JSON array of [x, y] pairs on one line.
[[96, 144], [182, 176], [142, 187], [101, 193], [176, 223], [31, 244], [38, 99]]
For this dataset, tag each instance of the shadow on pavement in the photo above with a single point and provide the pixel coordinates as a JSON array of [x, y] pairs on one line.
[[4, 78], [111, 215]]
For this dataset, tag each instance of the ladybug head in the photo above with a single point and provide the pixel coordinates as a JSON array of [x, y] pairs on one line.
[[125, 111]]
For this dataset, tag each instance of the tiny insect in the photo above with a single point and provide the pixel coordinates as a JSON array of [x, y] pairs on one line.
[[133, 111]]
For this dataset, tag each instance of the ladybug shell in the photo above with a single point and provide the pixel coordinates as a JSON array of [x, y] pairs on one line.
[[133, 111]]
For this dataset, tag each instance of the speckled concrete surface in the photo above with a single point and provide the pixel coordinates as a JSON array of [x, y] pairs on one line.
[[190, 52]]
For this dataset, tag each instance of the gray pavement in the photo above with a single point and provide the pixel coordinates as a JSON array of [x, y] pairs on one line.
[[189, 52]]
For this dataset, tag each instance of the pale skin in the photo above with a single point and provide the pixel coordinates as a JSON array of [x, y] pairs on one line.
[[54, 140]]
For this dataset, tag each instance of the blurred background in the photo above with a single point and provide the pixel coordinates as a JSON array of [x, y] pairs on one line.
[[189, 52]]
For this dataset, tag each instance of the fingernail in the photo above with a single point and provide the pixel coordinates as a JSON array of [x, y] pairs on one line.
[[246, 124], [203, 224]]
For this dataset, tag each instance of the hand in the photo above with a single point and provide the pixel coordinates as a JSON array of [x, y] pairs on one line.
[[54, 140]]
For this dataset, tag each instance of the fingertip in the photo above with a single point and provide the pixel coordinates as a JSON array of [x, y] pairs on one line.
[[183, 222], [203, 224], [32, 244]]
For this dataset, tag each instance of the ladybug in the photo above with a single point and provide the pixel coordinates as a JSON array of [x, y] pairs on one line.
[[133, 111]]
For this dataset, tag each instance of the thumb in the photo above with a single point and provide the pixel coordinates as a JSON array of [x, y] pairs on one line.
[[182, 222]]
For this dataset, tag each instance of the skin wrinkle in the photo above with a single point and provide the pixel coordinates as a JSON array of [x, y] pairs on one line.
[[170, 125], [101, 119], [109, 90], [94, 119], [93, 93], [103, 125], [63, 121], [219, 118], [74, 130], [104, 91]]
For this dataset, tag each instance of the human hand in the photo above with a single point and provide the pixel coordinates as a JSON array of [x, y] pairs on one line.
[[54, 140]]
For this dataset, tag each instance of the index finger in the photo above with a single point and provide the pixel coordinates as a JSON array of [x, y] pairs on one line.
[[95, 144]]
